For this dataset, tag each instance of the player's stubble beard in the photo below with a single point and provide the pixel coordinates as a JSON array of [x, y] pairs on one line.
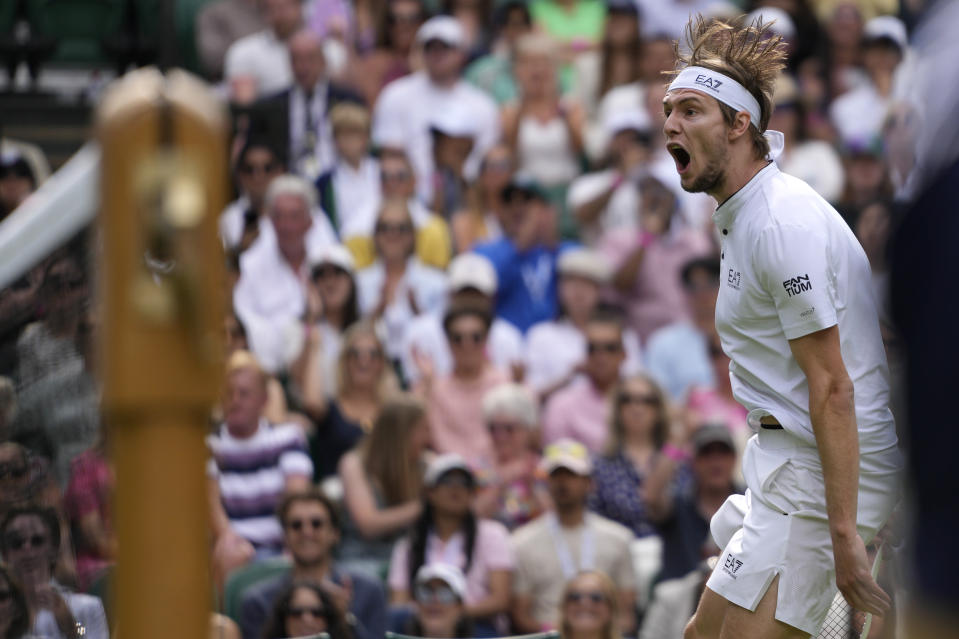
[[714, 172]]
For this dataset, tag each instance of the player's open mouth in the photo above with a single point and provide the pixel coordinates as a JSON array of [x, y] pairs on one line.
[[680, 155]]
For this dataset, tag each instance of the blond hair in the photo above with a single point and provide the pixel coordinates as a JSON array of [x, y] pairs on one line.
[[748, 52], [241, 360], [616, 439], [349, 114], [387, 382], [608, 588]]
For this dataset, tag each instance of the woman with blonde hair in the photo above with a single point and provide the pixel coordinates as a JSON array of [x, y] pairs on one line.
[[382, 481], [364, 380], [589, 607], [479, 221], [638, 431]]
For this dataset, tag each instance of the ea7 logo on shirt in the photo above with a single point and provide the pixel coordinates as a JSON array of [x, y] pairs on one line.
[[734, 279], [797, 285], [732, 565], [709, 82]]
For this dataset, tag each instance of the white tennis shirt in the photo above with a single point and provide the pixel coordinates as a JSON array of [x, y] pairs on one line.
[[790, 267]]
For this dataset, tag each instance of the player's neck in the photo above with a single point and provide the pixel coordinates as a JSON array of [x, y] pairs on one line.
[[740, 171], [571, 516]]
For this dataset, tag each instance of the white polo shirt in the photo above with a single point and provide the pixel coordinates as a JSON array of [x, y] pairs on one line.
[[790, 267], [262, 56]]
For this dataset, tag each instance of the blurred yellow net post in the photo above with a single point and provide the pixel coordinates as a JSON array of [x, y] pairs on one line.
[[163, 184]]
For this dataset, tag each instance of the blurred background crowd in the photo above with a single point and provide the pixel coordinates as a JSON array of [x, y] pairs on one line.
[[472, 385]]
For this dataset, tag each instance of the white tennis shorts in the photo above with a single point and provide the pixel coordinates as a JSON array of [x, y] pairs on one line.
[[785, 529]]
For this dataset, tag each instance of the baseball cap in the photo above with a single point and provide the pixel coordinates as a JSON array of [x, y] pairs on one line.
[[447, 573], [584, 263], [886, 28], [526, 185], [471, 270], [335, 254], [709, 434], [446, 29], [569, 454], [627, 120], [443, 464], [455, 120], [782, 24]]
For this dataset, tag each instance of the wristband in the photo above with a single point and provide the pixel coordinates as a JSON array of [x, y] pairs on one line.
[[675, 453]]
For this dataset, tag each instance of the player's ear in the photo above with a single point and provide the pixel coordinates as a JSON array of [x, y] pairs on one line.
[[740, 125]]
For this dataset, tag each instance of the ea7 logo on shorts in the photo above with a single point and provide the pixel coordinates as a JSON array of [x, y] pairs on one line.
[[734, 278], [709, 82], [732, 565], [797, 285]]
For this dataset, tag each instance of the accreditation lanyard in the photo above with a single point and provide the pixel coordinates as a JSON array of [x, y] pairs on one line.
[[587, 548]]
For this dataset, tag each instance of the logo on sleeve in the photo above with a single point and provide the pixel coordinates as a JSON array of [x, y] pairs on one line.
[[709, 82], [797, 285], [732, 565], [734, 278]]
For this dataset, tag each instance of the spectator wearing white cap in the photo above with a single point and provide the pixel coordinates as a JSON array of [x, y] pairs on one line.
[[558, 545], [438, 594], [556, 350], [397, 286], [270, 296], [606, 200], [448, 532], [858, 114], [470, 279], [332, 308], [454, 133], [403, 110]]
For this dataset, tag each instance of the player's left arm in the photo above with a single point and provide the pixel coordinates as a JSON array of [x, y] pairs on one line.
[[832, 410]]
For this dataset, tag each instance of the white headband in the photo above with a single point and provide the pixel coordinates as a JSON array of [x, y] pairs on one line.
[[729, 92]]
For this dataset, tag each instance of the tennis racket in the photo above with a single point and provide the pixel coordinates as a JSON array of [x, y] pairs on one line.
[[841, 619]]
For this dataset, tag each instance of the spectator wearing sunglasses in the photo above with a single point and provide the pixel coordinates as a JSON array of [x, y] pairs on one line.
[[397, 286], [511, 490], [581, 410], [304, 610], [347, 602], [589, 607], [455, 400], [30, 542], [244, 219], [448, 531], [397, 181], [438, 594]]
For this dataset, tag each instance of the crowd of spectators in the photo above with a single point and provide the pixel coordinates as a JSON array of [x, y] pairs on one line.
[[473, 385]]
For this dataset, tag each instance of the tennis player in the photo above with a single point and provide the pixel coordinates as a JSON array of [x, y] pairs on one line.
[[798, 319]]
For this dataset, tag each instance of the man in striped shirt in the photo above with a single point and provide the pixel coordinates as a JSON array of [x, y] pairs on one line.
[[253, 464]]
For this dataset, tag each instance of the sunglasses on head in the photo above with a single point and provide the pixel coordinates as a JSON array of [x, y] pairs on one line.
[[17, 542], [14, 471], [301, 611], [604, 347], [593, 596], [299, 524], [463, 338], [437, 594]]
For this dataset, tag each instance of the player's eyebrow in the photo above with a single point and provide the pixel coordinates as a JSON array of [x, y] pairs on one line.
[[667, 102]]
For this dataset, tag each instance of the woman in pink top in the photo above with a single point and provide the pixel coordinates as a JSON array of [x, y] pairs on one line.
[[455, 401], [449, 532]]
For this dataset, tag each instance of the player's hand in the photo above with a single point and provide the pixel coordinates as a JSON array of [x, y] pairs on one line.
[[854, 578]]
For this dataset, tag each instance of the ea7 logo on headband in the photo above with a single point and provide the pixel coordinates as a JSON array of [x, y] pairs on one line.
[[707, 81]]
